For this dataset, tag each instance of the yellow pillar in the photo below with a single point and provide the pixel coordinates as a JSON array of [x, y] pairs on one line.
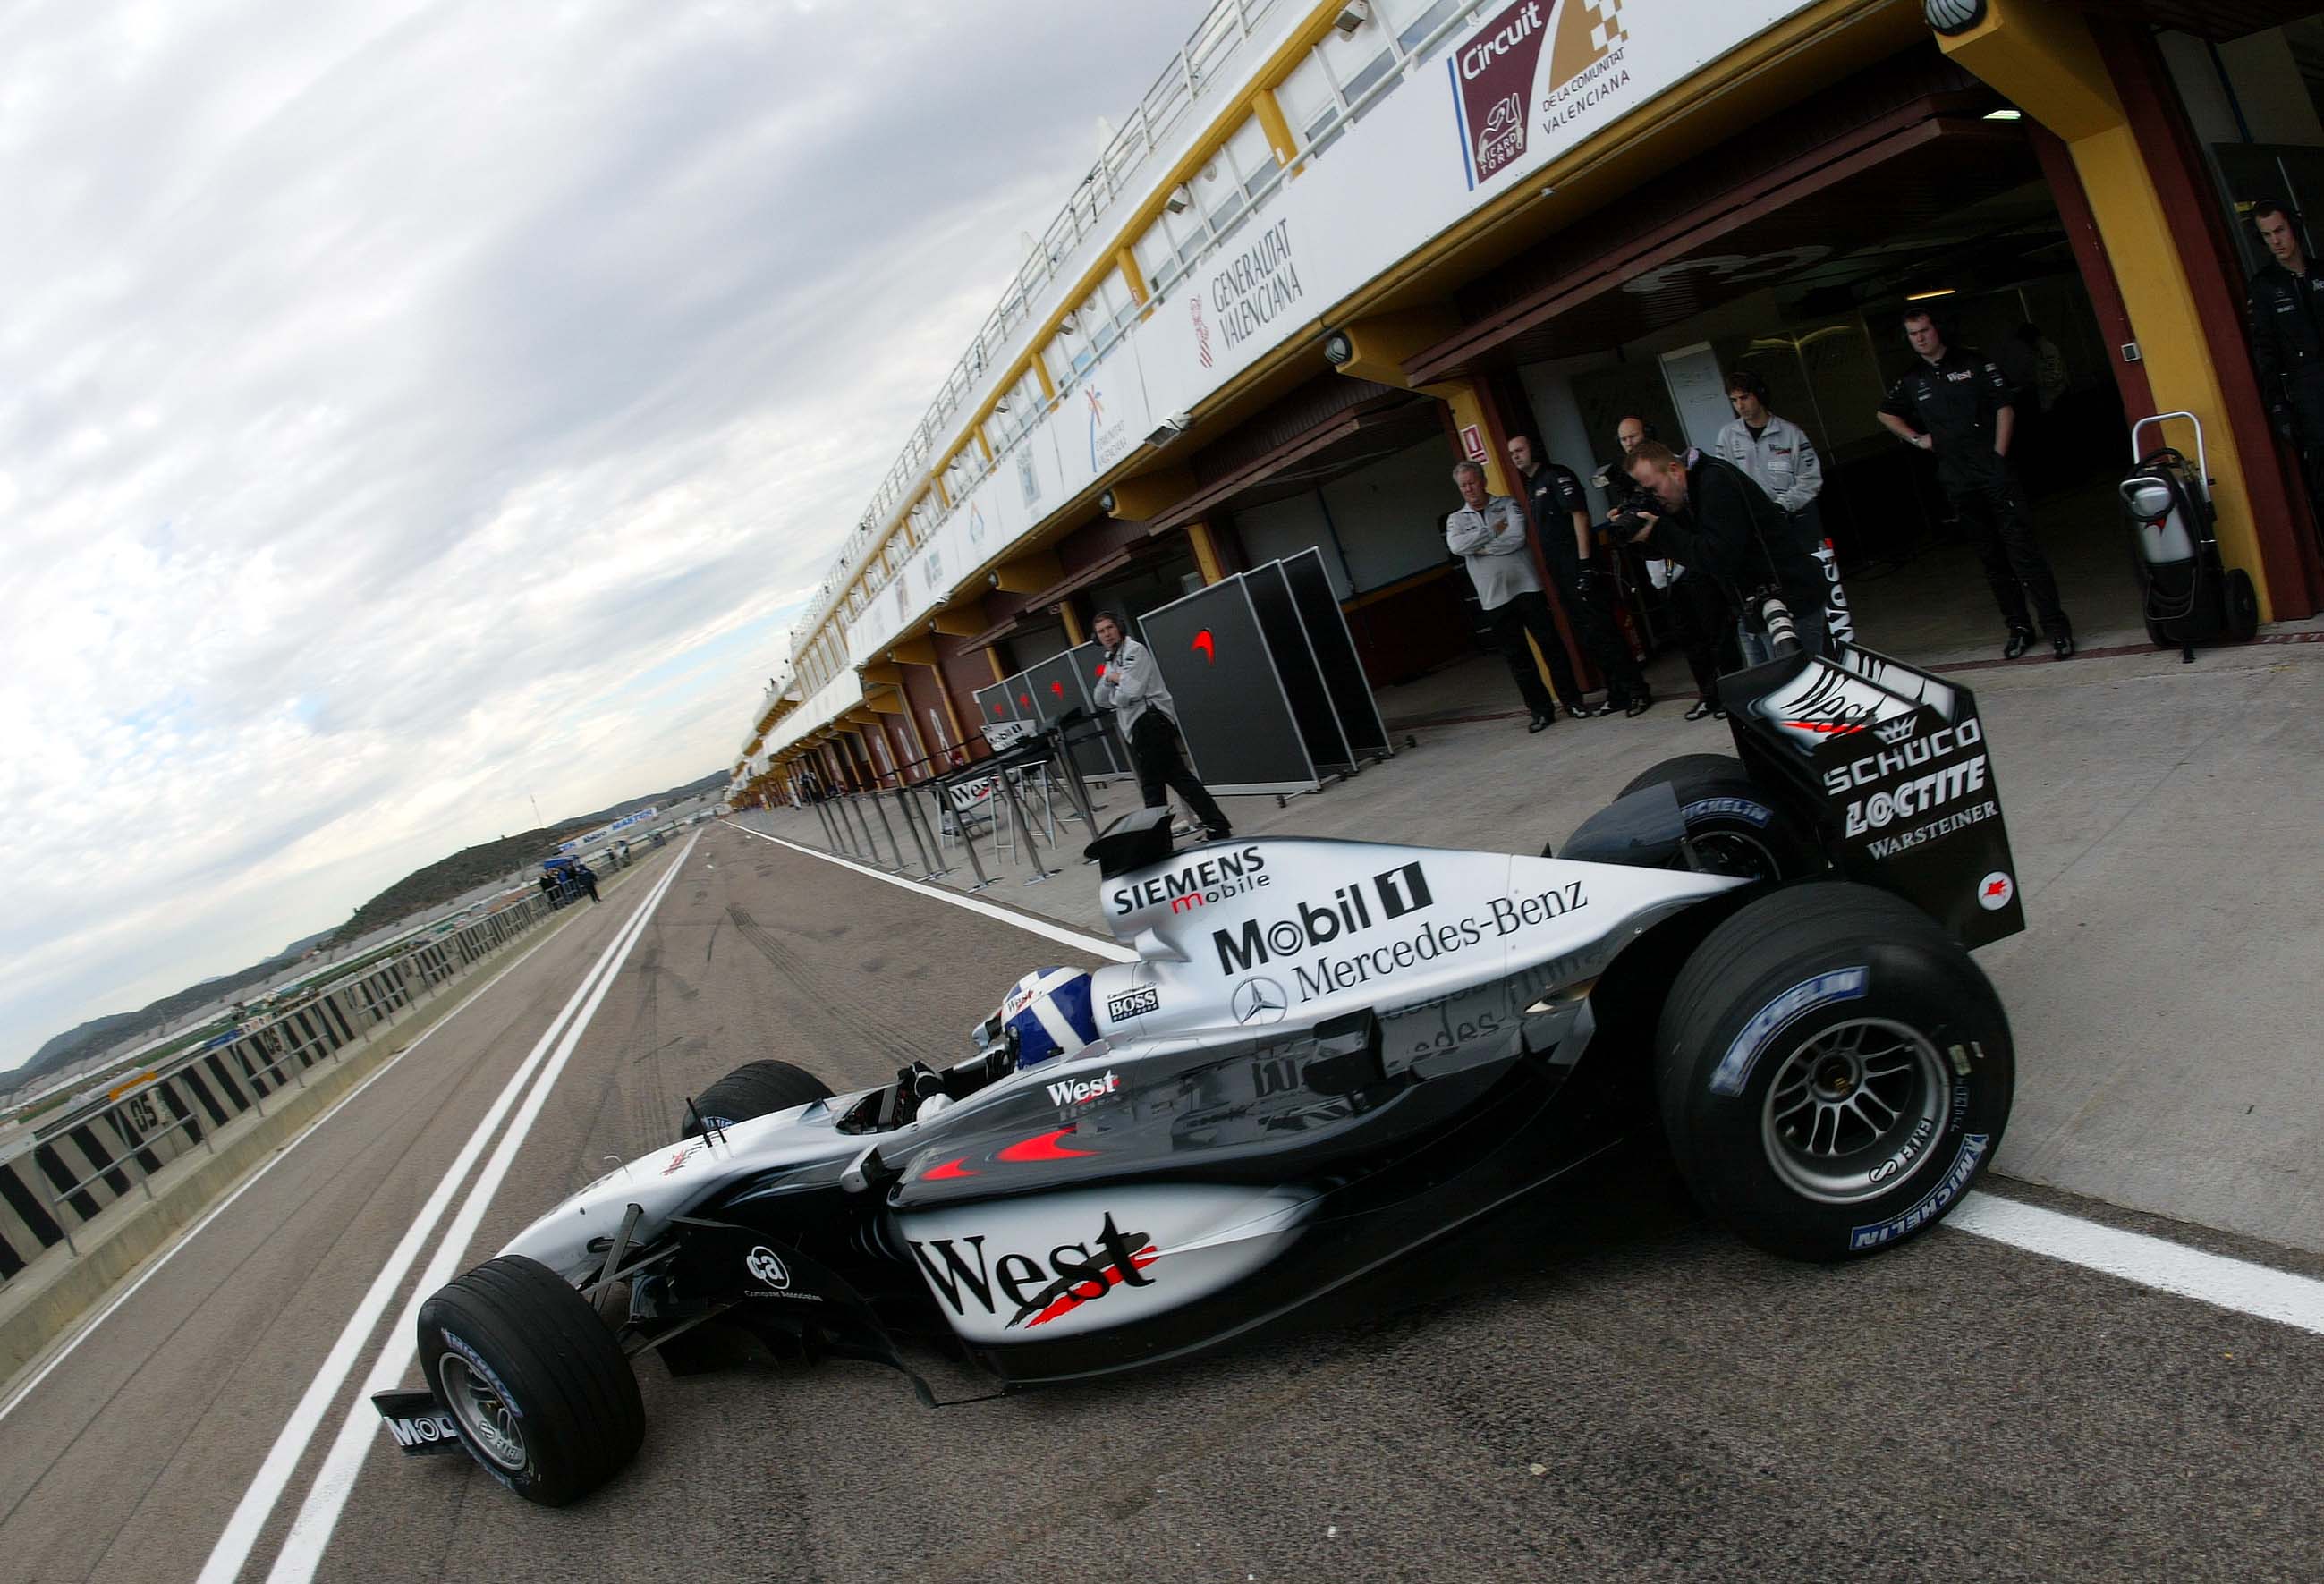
[[1073, 621], [2042, 55], [992, 659], [1131, 275], [1269, 115], [1206, 552]]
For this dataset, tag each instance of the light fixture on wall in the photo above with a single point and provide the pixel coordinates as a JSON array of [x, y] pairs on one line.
[[1069, 326], [2006, 113], [1179, 199], [1337, 350], [1170, 428], [1105, 502], [1931, 296], [1351, 17]]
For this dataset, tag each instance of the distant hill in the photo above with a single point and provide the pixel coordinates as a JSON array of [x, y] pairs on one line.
[[416, 892], [471, 866]]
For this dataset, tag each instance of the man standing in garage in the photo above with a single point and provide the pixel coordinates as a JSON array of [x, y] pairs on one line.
[[1489, 533], [1959, 405], [1782, 460], [2286, 298], [1553, 496]]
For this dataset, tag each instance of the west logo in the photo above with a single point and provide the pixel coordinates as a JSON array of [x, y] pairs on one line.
[[1400, 892], [1073, 1092], [1076, 1274]]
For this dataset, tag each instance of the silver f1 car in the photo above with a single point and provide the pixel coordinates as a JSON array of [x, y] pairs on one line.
[[1326, 1055]]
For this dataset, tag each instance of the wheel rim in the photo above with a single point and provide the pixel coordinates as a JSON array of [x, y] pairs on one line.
[[481, 1413], [1734, 854], [1856, 1110]]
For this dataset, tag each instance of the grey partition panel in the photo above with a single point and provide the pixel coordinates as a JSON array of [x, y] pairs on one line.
[[997, 714], [1240, 731], [1062, 683], [1295, 664], [1334, 648]]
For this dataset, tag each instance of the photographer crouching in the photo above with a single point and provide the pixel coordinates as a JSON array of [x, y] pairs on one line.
[[1717, 523]]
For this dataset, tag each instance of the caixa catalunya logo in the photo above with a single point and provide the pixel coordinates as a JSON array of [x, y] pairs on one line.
[[1037, 1290], [1348, 912]]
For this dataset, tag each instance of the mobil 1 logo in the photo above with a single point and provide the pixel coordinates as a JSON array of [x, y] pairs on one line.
[[1349, 910]]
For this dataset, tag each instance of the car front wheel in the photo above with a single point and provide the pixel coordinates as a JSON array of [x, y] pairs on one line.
[[543, 1397]]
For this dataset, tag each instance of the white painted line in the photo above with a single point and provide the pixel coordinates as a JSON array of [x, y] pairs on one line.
[[1064, 934], [359, 1427], [154, 1265], [2150, 1262], [266, 1486]]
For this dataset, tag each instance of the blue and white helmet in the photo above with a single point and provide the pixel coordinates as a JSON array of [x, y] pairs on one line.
[[1049, 1012]]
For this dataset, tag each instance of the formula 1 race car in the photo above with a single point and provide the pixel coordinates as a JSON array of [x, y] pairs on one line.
[[1324, 1055]]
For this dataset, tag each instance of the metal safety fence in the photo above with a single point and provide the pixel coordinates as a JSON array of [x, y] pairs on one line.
[[109, 1146]]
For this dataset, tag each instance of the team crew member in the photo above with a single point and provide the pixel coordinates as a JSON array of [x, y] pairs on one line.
[[1488, 532], [1132, 689], [1958, 404], [1782, 460], [1698, 610], [2287, 330], [1721, 527], [1555, 496], [588, 879]]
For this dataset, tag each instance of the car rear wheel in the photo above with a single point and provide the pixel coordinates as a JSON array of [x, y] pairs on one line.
[[1834, 1071], [755, 1089], [542, 1396], [1733, 826]]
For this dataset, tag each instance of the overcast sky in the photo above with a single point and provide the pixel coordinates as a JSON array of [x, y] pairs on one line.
[[408, 411]]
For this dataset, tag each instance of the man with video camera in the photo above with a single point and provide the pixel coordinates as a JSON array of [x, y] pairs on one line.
[[1718, 524]]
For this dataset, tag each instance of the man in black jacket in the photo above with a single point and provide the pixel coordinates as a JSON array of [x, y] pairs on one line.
[[1957, 403], [1560, 517], [1718, 524], [2286, 298]]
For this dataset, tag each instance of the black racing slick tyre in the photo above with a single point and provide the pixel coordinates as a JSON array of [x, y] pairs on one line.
[[543, 1397], [1834, 1071], [755, 1089], [1735, 828]]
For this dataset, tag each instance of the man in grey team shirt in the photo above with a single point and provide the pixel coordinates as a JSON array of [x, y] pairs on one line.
[[1132, 687], [1782, 460], [1488, 532]]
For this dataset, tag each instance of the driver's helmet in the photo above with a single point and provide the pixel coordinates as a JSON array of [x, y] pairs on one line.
[[1048, 1013]]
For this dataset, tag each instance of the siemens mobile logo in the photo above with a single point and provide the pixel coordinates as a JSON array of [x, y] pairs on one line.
[[1229, 874]]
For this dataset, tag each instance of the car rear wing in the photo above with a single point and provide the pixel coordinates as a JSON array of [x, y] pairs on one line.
[[1890, 765]]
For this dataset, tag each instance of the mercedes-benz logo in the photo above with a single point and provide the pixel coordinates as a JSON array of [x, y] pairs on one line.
[[1258, 1000], [765, 1266]]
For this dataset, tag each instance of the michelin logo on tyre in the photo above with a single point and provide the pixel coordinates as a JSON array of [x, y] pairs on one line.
[[1734, 1069], [1932, 1206]]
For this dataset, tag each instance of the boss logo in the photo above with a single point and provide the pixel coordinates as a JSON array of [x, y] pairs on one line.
[[1133, 1003]]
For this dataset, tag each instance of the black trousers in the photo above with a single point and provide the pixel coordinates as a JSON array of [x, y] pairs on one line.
[[1154, 751], [1594, 627], [1529, 612], [1706, 632], [1992, 510]]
